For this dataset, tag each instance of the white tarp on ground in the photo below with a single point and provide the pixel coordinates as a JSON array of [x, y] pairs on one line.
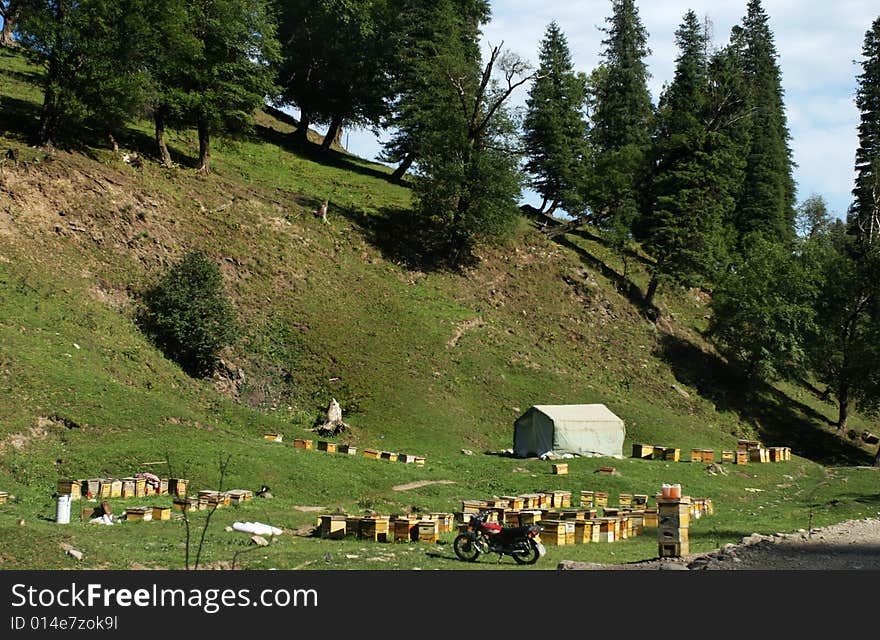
[[579, 429]]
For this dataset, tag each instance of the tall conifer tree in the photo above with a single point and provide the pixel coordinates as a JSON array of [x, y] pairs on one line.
[[555, 127]]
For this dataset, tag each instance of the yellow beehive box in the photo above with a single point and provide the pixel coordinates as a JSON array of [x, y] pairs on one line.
[[673, 549], [728, 457], [406, 458], [92, 487], [140, 487], [787, 454], [625, 500], [137, 514], [554, 533], [115, 488], [445, 521], [644, 451], [640, 501], [303, 443], [404, 528], [758, 455], [583, 531], [742, 457], [161, 513], [333, 526], [672, 454], [388, 455], [562, 499], [346, 449], [353, 526], [420, 461], [601, 498], [186, 504], [560, 469], [178, 486], [428, 531], [72, 488], [273, 437], [329, 447], [373, 454], [573, 514], [163, 486], [651, 517], [696, 455], [708, 455], [501, 503], [531, 500], [375, 528], [545, 500], [128, 487], [473, 506], [587, 498], [530, 516], [515, 502], [608, 529]]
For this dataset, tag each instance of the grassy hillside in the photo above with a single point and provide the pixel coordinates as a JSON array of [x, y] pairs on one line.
[[428, 363]]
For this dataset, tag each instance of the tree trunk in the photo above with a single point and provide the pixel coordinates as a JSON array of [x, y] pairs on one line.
[[204, 148], [164, 154], [404, 166], [652, 291], [301, 134], [49, 112], [113, 144], [332, 133], [877, 458], [553, 207], [843, 403]]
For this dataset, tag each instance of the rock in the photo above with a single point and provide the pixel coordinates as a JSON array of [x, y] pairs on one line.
[[228, 529], [753, 539], [75, 554], [21, 522], [467, 452], [684, 394], [673, 566], [260, 541]]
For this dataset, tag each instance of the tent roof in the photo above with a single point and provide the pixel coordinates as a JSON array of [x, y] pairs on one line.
[[577, 412]]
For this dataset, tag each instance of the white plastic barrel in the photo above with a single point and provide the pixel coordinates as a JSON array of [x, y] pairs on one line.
[[62, 512]]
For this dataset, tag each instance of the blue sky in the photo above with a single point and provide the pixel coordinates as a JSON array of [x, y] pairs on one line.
[[819, 44]]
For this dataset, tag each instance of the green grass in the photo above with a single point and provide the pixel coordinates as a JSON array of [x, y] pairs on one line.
[[428, 363]]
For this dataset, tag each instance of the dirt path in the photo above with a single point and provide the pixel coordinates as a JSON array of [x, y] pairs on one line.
[[420, 483], [851, 545]]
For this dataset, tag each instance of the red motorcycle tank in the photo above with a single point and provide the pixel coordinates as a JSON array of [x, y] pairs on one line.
[[490, 527]]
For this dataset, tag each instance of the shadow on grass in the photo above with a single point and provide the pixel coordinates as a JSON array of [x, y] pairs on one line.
[[781, 420], [21, 118]]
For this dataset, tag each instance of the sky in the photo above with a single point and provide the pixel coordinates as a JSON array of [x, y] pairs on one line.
[[819, 46]]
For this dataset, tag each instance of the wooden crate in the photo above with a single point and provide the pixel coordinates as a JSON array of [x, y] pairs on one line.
[[601, 498], [273, 437], [303, 443], [375, 528], [643, 451], [473, 506], [708, 455], [696, 455], [388, 455], [560, 469], [759, 455], [333, 526], [516, 503], [560, 499], [405, 529], [186, 504], [555, 532], [329, 447], [427, 531], [673, 549], [546, 500], [587, 498], [625, 500], [728, 457], [531, 500], [137, 514], [742, 457], [178, 486], [530, 516], [72, 488], [670, 454], [373, 454], [161, 513], [353, 526]]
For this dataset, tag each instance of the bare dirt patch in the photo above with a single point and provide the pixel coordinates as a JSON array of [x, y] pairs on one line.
[[421, 483]]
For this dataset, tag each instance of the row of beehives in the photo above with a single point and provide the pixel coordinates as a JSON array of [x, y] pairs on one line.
[[375, 454], [395, 528], [746, 452], [209, 499], [135, 487]]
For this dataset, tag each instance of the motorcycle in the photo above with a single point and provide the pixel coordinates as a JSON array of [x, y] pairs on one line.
[[482, 536]]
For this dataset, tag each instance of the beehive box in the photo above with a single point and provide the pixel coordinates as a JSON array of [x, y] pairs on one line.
[[560, 469], [673, 549], [388, 455], [728, 457], [427, 531], [710, 508], [610, 512], [625, 500], [587, 498], [495, 514], [640, 501], [71, 488], [163, 486], [116, 488], [511, 518], [500, 503], [92, 487], [573, 514], [601, 498], [161, 513], [273, 437], [531, 501], [625, 527], [742, 457], [759, 455], [137, 514], [140, 487], [373, 454], [775, 454], [329, 447], [583, 531], [128, 485], [420, 461], [643, 451], [473, 506], [185, 504], [4, 497], [530, 516], [659, 453], [238, 496], [333, 526], [302, 443], [673, 535], [637, 521], [515, 502], [696, 455], [463, 517], [353, 526], [346, 449], [708, 455], [445, 521], [651, 517], [608, 528], [545, 500], [375, 528], [406, 458], [671, 454], [555, 532], [404, 528], [177, 486], [90, 512], [787, 454]]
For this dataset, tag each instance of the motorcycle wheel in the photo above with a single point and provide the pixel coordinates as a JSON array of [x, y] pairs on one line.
[[528, 556], [466, 548]]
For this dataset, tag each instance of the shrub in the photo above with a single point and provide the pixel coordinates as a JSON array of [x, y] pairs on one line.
[[189, 314]]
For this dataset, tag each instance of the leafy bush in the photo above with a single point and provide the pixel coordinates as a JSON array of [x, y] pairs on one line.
[[189, 314]]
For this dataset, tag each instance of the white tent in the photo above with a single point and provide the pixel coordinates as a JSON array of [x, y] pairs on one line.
[[579, 429]]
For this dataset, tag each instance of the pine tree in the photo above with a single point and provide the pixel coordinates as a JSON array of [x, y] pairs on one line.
[[766, 205], [864, 214], [621, 116], [685, 227], [555, 128]]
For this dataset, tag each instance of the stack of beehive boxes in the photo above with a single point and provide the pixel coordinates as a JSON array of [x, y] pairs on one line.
[[673, 526]]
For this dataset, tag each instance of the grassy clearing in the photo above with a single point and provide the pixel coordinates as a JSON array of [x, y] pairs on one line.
[[422, 362]]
